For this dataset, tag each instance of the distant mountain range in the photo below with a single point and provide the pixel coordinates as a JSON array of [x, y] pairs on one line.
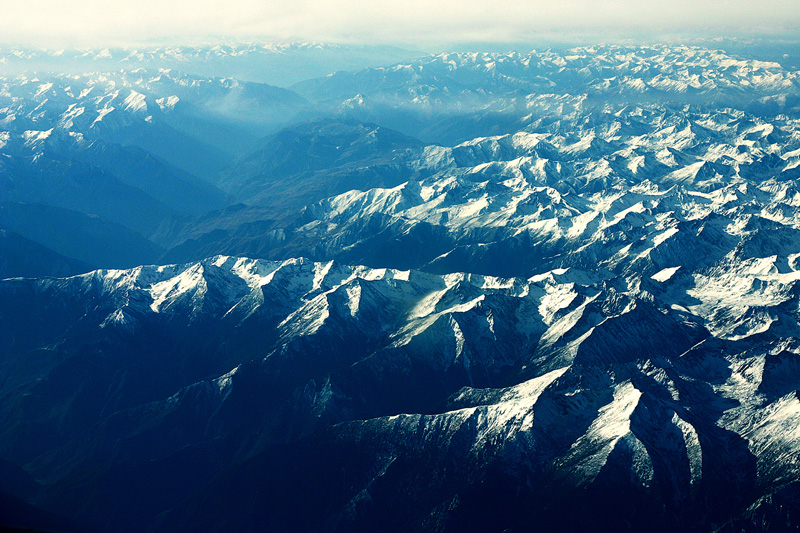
[[281, 64], [551, 291]]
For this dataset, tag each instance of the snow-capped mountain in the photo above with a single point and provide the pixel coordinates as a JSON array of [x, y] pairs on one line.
[[571, 134], [567, 378], [454, 97], [631, 190], [185, 120], [573, 305], [129, 148]]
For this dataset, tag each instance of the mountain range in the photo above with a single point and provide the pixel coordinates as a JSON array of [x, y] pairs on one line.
[[550, 291]]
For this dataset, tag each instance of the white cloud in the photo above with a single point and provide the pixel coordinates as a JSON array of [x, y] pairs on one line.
[[408, 20]]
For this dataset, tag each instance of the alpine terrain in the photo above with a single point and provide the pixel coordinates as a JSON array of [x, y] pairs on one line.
[[556, 290]]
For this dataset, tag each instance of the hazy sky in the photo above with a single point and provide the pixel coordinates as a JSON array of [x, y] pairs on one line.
[[50, 22]]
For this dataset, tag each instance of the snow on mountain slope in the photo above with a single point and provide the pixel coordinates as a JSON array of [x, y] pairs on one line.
[[560, 374], [101, 102], [595, 70], [128, 146], [182, 113], [587, 321], [719, 213], [477, 94], [571, 157]]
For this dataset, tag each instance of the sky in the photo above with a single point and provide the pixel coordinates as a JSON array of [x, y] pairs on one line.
[[53, 22]]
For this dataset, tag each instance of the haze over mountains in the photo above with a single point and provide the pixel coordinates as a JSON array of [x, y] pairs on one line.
[[483, 291]]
